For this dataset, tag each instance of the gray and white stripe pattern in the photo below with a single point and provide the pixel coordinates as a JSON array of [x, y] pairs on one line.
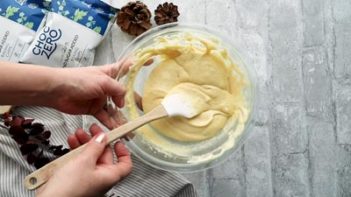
[[143, 181]]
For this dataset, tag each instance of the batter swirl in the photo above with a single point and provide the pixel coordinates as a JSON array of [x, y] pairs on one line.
[[189, 64]]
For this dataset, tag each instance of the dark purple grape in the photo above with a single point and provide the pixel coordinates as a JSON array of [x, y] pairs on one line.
[[21, 138], [40, 162], [36, 129], [7, 122], [28, 148], [14, 130], [31, 158], [16, 121], [5, 115], [27, 123], [58, 152], [52, 147], [56, 147], [65, 150], [32, 138], [46, 134], [46, 142]]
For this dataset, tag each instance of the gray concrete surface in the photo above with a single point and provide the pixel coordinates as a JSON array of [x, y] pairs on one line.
[[301, 140]]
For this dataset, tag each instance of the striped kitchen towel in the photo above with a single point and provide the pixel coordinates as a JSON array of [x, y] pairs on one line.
[[144, 180]]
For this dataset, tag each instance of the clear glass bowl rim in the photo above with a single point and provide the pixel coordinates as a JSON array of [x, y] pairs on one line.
[[168, 166]]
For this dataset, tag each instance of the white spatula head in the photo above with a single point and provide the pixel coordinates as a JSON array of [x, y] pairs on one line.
[[180, 105]]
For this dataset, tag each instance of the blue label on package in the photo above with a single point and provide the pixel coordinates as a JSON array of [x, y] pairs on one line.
[[93, 14], [29, 14], [45, 4], [101, 7]]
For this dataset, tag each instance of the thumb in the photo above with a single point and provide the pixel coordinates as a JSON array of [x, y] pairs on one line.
[[95, 148]]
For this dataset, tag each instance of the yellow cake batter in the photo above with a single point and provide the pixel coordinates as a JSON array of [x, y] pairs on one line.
[[190, 64]]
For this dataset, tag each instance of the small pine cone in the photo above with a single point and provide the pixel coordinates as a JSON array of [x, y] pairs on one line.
[[166, 13], [134, 18]]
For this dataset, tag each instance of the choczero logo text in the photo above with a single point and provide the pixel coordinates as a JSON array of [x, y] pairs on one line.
[[46, 43]]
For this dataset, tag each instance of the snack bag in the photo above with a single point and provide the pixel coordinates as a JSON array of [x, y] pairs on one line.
[[19, 21], [117, 3], [72, 31]]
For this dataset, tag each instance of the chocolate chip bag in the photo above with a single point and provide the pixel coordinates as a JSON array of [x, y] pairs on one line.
[[72, 31], [19, 21]]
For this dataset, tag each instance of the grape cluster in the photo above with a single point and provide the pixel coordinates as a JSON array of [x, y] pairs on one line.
[[32, 138]]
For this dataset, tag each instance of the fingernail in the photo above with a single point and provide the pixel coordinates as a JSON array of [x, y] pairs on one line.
[[100, 138], [120, 103]]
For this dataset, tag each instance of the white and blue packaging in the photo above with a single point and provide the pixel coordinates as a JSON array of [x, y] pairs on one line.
[[19, 21], [72, 31]]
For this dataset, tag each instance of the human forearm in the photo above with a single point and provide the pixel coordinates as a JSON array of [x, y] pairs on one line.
[[82, 90], [22, 84]]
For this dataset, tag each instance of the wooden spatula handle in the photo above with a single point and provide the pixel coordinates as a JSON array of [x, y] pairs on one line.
[[40, 176]]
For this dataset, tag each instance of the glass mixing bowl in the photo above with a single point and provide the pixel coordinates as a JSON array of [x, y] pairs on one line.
[[187, 156]]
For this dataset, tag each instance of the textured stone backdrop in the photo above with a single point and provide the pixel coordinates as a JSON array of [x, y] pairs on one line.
[[301, 140]]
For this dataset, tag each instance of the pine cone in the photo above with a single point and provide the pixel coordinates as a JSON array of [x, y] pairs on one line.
[[166, 13], [134, 18]]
